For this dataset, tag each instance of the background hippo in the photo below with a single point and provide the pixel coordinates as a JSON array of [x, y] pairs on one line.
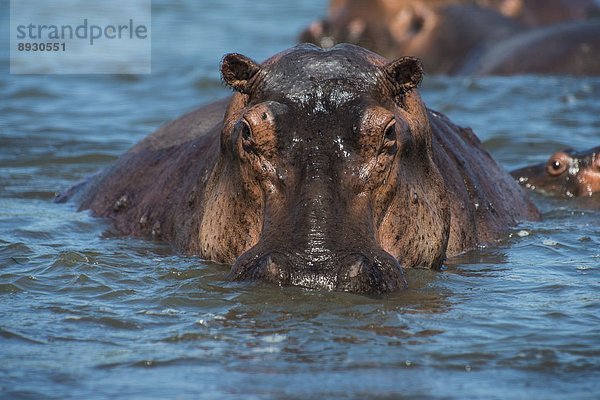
[[566, 173], [451, 36], [568, 48], [440, 33], [325, 170]]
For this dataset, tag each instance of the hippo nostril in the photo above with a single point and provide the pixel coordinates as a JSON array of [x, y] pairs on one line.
[[374, 275], [275, 270], [272, 267], [357, 267]]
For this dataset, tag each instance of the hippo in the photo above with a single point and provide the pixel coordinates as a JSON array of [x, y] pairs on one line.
[[567, 173], [562, 49], [443, 37], [451, 35], [324, 170]]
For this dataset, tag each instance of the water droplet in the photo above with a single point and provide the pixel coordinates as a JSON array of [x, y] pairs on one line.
[[121, 203]]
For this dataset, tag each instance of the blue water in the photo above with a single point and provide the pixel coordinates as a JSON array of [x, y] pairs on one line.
[[88, 314]]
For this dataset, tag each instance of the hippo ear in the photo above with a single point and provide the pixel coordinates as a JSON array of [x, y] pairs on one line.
[[237, 70], [405, 73]]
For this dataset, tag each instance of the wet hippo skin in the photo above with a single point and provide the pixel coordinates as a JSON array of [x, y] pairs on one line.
[[567, 173], [562, 49], [324, 170]]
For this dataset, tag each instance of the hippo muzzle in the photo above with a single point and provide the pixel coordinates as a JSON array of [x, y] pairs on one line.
[[316, 236], [353, 272]]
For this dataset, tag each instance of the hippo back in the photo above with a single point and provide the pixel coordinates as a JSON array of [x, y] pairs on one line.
[[484, 199], [568, 48], [155, 189]]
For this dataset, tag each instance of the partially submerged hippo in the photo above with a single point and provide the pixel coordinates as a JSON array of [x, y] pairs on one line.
[[567, 173], [443, 37], [568, 48], [452, 36], [324, 170]]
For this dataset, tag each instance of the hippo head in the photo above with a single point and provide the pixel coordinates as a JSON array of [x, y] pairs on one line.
[[326, 172], [386, 27], [566, 173]]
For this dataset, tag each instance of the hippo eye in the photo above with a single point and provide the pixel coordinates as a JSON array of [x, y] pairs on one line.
[[556, 166], [417, 24], [389, 145], [390, 131], [245, 131]]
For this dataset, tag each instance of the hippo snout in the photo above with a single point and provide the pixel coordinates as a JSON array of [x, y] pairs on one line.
[[356, 272]]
